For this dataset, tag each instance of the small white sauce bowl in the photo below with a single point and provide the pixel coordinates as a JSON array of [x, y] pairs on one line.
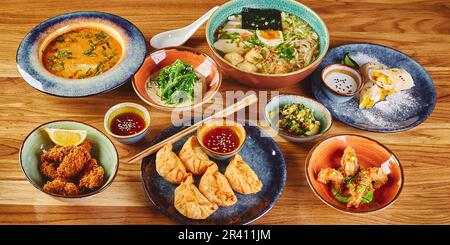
[[332, 93], [123, 108]]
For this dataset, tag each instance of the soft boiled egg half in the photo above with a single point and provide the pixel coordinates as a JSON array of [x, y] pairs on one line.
[[271, 38]]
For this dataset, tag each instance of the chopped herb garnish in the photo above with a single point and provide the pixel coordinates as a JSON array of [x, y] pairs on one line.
[[100, 35]]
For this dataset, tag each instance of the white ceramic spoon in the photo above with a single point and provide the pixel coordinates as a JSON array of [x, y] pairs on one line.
[[178, 37]]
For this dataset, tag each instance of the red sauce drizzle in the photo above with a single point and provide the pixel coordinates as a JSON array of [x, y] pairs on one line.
[[127, 123], [221, 139]]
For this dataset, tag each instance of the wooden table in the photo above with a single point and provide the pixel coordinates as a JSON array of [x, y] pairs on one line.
[[420, 28]]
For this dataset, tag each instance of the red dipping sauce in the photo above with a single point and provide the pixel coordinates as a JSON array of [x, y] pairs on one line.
[[221, 139], [127, 123]]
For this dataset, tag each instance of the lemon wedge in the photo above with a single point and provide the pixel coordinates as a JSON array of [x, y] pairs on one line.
[[64, 137]]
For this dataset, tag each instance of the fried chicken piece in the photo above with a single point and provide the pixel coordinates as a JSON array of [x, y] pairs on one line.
[[92, 176], [86, 145], [357, 194], [349, 162], [74, 162], [62, 187], [377, 177], [56, 153], [49, 169], [330, 174]]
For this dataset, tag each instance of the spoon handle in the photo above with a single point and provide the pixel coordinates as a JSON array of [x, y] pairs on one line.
[[196, 24]]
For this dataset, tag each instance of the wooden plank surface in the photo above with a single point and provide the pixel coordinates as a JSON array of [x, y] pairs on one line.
[[421, 29]]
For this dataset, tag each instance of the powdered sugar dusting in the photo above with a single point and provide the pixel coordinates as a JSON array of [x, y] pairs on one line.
[[387, 113], [362, 59]]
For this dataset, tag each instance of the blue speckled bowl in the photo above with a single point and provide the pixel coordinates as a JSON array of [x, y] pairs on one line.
[[407, 114], [320, 112], [260, 152], [32, 70]]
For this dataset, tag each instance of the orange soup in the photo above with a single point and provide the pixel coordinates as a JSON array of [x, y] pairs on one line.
[[81, 53]]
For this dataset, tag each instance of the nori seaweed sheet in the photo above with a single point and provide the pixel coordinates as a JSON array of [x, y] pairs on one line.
[[261, 19]]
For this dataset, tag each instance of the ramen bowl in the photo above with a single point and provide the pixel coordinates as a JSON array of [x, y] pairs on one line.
[[161, 58], [260, 80], [102, 149], [370, 153], [105, 75]]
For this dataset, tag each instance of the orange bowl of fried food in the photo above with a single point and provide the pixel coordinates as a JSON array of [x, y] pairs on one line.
[[354, 174], [68, 159]]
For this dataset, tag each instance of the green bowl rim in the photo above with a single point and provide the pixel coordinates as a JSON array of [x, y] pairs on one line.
[[314, 63], [62, 196]]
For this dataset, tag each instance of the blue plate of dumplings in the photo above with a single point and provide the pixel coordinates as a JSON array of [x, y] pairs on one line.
[[398, 112], [260, 152]]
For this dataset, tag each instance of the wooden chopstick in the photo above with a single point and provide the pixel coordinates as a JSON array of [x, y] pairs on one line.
[[246, 101]]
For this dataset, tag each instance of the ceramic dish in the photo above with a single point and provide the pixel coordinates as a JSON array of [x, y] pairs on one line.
[[370, 153], [30, 65], [103, 150], [159, 59], [235, 126], [260, 152], [409, 109], [268, 80], [340, 72], [127, 108], [320, 112]]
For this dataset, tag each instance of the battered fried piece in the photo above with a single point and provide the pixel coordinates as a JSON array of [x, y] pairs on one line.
[[241, 177], [62, 187], [349, 162], [330, 174], [190, 202], [194, 159], [214, 185], [56, 154], [48, 169], [169, 166], [74, 162], [92, 176]]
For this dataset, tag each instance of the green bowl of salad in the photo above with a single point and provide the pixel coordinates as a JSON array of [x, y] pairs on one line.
[[297, 118]]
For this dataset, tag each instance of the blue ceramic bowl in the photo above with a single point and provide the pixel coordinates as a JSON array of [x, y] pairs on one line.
[[30, 66], [320, 112], [235, 126], [260, 80], [125, 108], [336, 95], [414, 106]]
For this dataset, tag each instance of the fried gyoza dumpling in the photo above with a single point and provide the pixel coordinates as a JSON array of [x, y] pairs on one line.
[[193, 157], [214, 185], [169, 166], [241, 177], [190, 202]]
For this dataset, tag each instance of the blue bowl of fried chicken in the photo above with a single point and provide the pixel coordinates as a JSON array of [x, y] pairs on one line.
[[69, 172]]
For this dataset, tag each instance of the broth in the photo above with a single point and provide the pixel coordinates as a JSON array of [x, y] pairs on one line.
[[81, 53]]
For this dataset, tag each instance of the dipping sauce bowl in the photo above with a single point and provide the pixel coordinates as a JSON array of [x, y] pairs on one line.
[[341, 82], [127, 122]]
